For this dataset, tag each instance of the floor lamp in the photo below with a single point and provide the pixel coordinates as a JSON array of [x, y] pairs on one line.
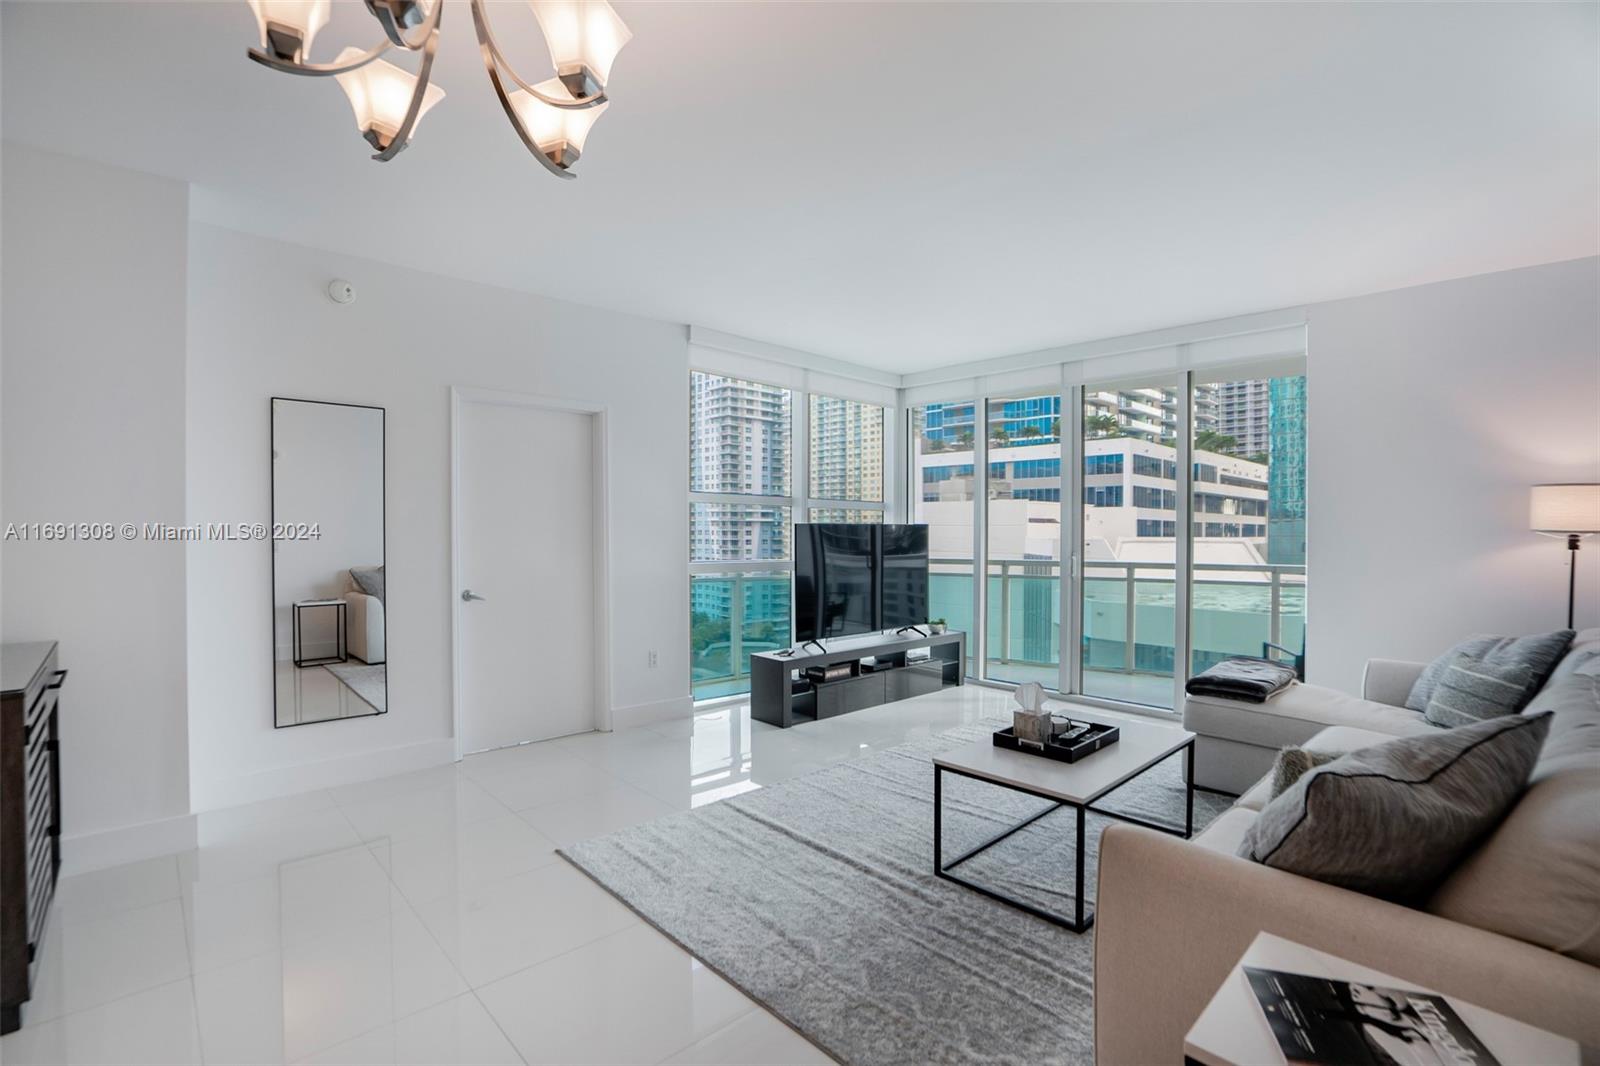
[[1572, 511]]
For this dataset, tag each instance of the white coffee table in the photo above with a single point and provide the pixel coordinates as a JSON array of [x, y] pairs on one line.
[[1079, 785], [1232, 1030]]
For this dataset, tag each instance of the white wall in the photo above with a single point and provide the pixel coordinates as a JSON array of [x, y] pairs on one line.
[[93, 431], [1431, 410], [260, 325]]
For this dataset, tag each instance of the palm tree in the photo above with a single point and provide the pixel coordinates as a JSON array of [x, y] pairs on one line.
[[1102, 425], [1209, 440]]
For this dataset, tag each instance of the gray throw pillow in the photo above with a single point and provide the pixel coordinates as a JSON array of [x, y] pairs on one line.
[[1537, 877], [1471, 690], [1294, 763], [1393, 819], [1540, 652], [369, 579]]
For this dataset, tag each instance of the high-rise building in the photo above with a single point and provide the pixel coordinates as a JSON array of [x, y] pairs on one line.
[[1243, 413], [739, 445], [1146, 414], [846, 449], [1286, 507], [1142, 414]]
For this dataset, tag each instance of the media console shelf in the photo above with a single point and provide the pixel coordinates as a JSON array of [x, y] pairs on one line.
[[778, 698]]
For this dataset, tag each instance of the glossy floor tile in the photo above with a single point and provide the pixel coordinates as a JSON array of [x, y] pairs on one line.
[[425, 917]]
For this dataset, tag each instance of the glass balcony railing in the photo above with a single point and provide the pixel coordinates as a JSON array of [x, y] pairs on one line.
[[1128, 619], [731, 616]]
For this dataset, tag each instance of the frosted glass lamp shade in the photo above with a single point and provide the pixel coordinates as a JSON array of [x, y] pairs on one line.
[[559, 133], [582, 35], [1565, 509], [288, 26], [380, 94]]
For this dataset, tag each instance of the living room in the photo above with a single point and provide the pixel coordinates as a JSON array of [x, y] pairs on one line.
[[892, 565]]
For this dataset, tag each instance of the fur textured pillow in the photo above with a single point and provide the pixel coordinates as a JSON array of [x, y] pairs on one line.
[[1294, 763]]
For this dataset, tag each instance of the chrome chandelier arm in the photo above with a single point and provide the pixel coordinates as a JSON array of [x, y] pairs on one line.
[[486, 47], [493, 57], [430, 45], [317, 70], [396, 33]]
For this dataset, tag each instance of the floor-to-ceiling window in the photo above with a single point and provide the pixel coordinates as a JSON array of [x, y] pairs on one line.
[[1249, 533], [1023, 540], [845, 449], [1130, 551], [940, 492], [753, 473], [741, 515], [1132, 531]]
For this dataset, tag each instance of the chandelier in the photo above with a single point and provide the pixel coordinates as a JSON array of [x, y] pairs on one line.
[[553, 118]]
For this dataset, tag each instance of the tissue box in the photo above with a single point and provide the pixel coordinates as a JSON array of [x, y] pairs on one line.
[[1031, 727]]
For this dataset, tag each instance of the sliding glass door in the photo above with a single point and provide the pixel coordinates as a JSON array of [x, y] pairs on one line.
[[1132, 540], [1249, 546], [1131, 532], [1023, 540], [940, 492]]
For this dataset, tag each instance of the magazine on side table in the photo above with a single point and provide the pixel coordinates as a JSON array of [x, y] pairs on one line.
[[1319, 1021], [1285, 1002]]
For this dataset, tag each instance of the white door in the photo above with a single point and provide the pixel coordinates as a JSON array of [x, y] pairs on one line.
[[525, 519]]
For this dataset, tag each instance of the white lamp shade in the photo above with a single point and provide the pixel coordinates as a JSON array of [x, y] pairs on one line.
[[581, 33], [305, 17], [380, 93], [1565, 509], [550, 127]]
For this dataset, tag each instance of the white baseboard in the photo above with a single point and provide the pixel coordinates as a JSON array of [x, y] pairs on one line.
[[325, 773], [129, 843], [649, 713]]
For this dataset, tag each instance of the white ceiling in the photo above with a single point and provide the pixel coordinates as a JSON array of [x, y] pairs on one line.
[[900, 185]]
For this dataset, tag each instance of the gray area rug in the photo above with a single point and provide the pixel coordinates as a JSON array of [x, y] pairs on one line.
[[817, 898], [371, 683]]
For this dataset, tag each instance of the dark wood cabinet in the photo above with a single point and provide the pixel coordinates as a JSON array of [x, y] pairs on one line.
[[30, 818]]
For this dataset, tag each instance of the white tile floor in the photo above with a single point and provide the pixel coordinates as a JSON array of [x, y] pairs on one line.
[[425, 917]]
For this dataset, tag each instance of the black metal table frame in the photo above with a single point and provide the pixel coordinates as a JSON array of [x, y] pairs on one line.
[[1081, 921], [340, 628]]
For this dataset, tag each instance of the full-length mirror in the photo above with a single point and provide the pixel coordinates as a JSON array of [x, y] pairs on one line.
[[329, 609]]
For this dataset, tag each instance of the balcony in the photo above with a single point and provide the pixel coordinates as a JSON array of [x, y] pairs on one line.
[[1127, 653]]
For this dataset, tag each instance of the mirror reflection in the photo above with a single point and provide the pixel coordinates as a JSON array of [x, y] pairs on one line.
[[328, 594]]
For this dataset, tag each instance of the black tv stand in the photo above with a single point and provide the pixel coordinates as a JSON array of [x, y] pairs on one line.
[[779, 697]]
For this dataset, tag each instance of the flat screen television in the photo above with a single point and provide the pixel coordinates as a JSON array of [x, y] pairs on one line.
[[835, 580], [858, 578], [902, 576]]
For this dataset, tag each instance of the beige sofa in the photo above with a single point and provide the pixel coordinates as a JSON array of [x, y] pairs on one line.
[[1516, 927], [364, 629]]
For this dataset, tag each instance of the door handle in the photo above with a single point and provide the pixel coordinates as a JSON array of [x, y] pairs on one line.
[[467, 596]]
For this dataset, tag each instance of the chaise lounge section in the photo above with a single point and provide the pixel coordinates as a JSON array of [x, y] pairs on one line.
[[1514, 928]]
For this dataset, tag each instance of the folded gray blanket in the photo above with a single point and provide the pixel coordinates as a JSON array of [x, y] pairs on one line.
[[1246, 679]]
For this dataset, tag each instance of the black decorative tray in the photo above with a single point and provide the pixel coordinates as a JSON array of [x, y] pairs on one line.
[[1099, 736]]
